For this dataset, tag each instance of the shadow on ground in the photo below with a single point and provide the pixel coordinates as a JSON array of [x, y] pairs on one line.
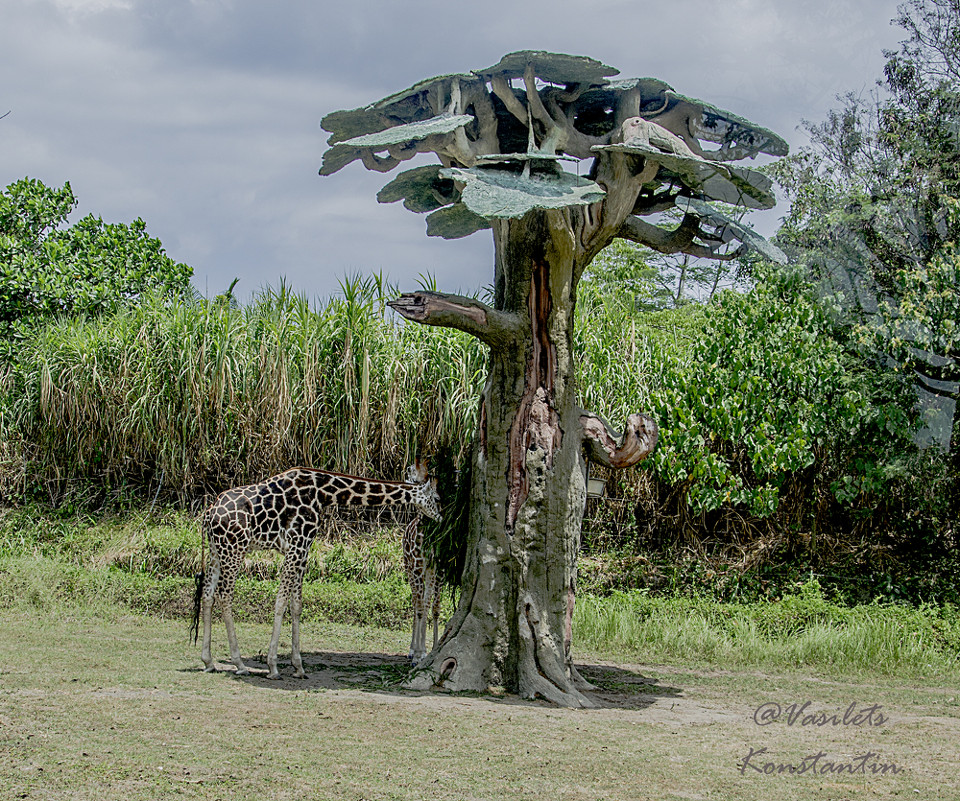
[[614, 687]]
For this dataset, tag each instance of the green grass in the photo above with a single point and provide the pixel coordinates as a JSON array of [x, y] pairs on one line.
[[146, 563], [102, 705], [179, 400], [802, 630], [189, 397]]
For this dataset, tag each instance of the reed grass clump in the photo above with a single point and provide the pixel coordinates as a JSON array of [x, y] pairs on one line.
[[188, 397], [772, 447]]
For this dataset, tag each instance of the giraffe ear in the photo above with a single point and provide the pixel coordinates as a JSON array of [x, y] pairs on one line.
[[417, 472]]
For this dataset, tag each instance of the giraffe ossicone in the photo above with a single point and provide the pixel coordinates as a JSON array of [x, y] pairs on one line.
[[282, 513]]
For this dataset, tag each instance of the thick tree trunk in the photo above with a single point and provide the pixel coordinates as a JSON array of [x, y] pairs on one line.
[[512, 630]]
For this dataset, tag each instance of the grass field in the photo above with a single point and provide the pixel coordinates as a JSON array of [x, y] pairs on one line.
[[101, 705], [102, 696]]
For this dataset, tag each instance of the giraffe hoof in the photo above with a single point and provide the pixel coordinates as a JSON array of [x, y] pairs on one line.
[[243, 672], [210, 669], [275, 676]]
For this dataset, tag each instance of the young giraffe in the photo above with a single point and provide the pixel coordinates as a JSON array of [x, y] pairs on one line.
[[282, 513], [424, 581], [424, 588]]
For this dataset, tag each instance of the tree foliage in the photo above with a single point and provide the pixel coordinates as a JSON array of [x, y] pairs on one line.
[[763, 413], [874, 203], [770, 393], [769, 430], [651, 281], [49, 268]]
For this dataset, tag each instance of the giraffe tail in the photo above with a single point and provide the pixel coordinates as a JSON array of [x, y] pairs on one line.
[[197, 600]]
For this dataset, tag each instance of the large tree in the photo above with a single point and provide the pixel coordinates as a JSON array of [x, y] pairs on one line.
[[500, 134]]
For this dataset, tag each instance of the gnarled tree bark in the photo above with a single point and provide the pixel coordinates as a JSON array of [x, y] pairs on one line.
[[513, 626]]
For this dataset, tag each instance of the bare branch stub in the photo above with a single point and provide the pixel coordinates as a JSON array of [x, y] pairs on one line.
[[605, 446], [460, 312]]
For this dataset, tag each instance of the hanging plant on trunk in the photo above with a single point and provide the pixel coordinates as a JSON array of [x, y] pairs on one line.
[[501, 135]]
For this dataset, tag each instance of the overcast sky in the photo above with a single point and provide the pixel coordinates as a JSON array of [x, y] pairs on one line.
[[202, 116]]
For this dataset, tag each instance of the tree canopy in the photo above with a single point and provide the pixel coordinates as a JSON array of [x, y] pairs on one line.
[[501, 133], [874, 202], [48, 268]]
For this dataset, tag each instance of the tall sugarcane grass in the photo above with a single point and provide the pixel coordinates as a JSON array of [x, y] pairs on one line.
[[192, 396], [185, 398]]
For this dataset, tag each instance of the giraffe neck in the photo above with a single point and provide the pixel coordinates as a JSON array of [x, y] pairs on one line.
[[341, 490], [413, 535]]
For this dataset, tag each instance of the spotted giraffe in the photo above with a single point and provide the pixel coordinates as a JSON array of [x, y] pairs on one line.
[[282, 513], [423, 578], [424, 589]]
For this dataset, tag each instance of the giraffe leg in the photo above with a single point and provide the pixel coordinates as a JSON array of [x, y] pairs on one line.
[[413, 634], [416, 639], [413, 564], [296, 606], [242, 669], [416, 642], [421, 633], [435, 582], [426, 602], [291, 592], [278, 610], [209, 590], [227, 581]]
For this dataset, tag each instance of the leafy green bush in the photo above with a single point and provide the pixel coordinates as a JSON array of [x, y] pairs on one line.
[[86, 268], [776, 447], [769, 394]]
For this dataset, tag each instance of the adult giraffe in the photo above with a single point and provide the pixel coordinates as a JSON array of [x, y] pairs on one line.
[[282, 513]]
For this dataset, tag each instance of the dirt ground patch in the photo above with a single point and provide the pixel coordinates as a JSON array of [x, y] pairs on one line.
[[102, 706]]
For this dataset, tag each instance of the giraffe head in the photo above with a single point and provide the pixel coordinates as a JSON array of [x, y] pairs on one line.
[[425, 495]]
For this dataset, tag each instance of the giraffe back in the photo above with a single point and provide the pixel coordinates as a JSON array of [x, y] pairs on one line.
[[267, 514]]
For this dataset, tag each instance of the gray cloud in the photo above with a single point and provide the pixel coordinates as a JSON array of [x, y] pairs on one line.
[[202, 117]]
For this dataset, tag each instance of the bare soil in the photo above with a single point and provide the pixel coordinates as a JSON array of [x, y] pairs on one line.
[[102, 706]]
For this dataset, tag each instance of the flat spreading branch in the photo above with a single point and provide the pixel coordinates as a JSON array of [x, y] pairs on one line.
[[534, 103], [482, 102], [605, 446], [502, 89], [561, 105], [377, 164], [679, 240], [493, 327]]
